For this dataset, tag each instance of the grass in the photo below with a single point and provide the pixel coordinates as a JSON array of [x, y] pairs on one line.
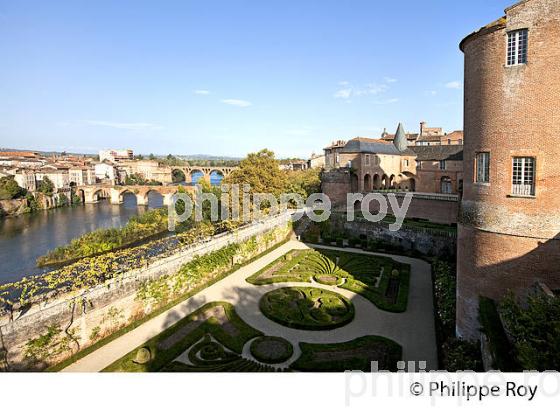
[[359, 273], [353, 355], [307, 308], [162, 356], [156, 312]]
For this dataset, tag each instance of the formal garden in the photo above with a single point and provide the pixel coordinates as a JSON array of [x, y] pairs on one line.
[[215, 338], [212, 339], [381, 280]]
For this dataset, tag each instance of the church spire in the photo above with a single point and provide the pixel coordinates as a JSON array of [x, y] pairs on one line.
[[400, 139]]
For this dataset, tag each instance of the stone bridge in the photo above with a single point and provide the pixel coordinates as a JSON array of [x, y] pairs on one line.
[[206, 171], [91, 194]]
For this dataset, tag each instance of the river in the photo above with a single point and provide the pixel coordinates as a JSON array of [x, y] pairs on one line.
[[24, 238]]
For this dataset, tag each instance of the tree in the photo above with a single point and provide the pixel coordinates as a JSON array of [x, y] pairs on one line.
[[46, 186], [152, 157], [9, 188], [304, 182], [262, 172]]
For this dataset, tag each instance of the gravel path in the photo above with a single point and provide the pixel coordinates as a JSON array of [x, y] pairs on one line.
[[414, 329]]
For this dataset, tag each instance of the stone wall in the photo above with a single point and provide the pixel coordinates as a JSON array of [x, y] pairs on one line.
[[82, 319], [437, 208], [423, 240]]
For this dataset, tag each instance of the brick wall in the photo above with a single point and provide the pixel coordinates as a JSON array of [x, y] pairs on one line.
[[510, 111]]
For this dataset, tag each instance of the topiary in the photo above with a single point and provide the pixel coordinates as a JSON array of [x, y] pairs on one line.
[[143, 356]]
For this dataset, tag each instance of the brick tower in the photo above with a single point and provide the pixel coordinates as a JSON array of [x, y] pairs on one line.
[[509, 230]]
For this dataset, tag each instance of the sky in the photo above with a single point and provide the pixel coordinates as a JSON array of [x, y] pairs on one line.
[[229, 77]]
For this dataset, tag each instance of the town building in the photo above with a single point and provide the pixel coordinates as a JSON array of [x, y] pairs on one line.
[[316, 161], [26, 179], [439, 168], [116, 155], [509, 230], [428, 136], [147, 169], [106, 171], [375, 163], [58, 176], [294, 165], [83, 175]]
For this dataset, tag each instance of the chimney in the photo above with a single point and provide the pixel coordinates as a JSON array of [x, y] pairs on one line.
[[422, 125]]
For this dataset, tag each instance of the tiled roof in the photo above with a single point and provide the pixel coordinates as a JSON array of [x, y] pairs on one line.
[[438, 152], [374, 146]]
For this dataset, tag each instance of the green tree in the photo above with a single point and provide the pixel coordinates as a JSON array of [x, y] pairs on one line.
[[152, 157], [9, 188], [305, 182], [262, 172], [46, 186]]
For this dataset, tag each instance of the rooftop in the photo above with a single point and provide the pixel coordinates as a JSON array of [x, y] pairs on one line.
[[438, 152], [374, 146]]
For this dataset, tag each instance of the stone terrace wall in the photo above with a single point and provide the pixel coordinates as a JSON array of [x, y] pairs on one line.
[[113, 305]]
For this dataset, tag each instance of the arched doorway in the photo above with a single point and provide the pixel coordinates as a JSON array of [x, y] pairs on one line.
[[376, 182], [445, 185], [367, 183], [392, 181], [81, 196], [385, 181]]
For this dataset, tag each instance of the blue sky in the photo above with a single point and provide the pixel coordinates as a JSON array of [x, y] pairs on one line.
[[228, 77]]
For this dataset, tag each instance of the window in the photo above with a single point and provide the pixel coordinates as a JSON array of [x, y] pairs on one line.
[[442, 165], [517, 47], [523, 176], [367, 160], [448, 141], [483, 167], [337, 158], [445, 186], [460, 142], [405, 162]]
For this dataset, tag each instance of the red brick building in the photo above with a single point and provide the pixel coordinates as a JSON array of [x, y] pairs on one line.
[[509, 231]]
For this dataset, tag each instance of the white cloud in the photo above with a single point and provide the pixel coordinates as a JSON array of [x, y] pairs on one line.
[[237, 103], [133, 126], [386, 102], [390, 80], [201, 92], [343, 93], [347, 90], [454, 85]]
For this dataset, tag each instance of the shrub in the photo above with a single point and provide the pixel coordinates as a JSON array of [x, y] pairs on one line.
[[271, 350], [500, 347], [535, 330]]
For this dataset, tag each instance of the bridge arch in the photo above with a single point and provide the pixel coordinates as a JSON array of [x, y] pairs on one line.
[[178, 175]]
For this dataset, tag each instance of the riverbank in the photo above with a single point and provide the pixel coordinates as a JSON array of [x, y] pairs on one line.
[[26, 237], [13, 207]]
